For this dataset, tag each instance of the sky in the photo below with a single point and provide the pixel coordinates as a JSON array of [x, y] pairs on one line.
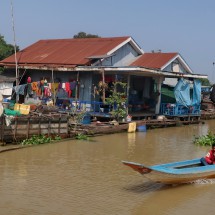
[[185, 26]]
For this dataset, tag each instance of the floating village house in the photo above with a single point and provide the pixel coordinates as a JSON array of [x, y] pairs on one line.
[[73, 68]]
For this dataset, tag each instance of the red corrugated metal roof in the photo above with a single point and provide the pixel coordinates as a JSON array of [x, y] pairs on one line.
[[65, 51], [154, 60]]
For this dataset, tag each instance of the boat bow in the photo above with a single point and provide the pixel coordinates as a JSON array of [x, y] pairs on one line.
[[137, 167]]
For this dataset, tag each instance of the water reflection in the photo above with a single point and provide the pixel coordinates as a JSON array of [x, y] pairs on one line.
[[131, 143], [22, 170]]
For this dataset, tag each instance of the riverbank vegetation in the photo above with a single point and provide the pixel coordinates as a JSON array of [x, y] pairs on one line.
[[205, 140], [80, 136], [43, 139], [39, 139]]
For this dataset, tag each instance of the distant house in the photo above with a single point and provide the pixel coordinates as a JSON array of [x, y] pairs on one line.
[[93, 60], [165, 62], [6, 85]]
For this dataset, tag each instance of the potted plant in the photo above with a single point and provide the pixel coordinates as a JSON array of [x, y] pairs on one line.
[[117, 101]]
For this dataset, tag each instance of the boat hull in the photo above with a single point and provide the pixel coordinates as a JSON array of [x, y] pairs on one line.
[[175, 173]]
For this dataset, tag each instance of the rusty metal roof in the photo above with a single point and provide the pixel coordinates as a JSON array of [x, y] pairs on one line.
[[64, 52], [154, 60]]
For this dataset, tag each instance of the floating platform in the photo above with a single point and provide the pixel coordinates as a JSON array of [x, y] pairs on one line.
[[25, 126]]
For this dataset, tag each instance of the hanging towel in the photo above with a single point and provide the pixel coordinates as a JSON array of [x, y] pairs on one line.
[[68, 90], [72, 85]]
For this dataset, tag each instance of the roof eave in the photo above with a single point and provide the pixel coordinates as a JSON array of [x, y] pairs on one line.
[[40, 67], [133, 44], [182, 62], [126, 70], [142, 70]]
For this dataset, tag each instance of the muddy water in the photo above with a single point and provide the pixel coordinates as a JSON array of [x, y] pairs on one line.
[[87, 177]]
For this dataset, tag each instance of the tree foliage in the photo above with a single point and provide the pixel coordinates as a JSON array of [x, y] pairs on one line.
[[117, 100], [205, 82], [6, 49], [85, 35]]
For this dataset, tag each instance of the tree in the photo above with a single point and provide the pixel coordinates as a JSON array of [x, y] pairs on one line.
[[117, 100], [6, 49], [85, 35], [205, 82]]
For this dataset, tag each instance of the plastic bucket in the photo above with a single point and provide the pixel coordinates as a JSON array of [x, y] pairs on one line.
[[86, 120], [141, 128]]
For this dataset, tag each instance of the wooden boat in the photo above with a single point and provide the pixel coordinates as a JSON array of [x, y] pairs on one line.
[[176, 172]]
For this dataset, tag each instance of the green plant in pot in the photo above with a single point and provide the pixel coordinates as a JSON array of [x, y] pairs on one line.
[[117, 101]]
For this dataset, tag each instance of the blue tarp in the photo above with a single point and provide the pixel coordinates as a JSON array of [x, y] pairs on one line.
[[196, 92], [182, 93]]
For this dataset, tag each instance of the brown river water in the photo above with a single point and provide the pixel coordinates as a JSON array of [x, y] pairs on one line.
[[88, 178]]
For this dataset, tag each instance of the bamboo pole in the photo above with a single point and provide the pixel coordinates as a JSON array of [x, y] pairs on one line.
[[14, 40]]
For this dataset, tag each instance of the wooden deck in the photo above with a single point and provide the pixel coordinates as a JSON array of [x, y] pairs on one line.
[[143, 115], [102, 128], [209, 114]]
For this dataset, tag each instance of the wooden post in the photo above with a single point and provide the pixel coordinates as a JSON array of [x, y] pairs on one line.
[[103, 85], [128, 87], [49, 126], [39, 125], [67, 127], [76, 87], [159, 81], [28, 127], [2, 128], [53, 87], [59, 125], [15, 127]]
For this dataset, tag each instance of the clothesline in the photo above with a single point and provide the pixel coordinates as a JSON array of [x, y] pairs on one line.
[[45, 89]]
